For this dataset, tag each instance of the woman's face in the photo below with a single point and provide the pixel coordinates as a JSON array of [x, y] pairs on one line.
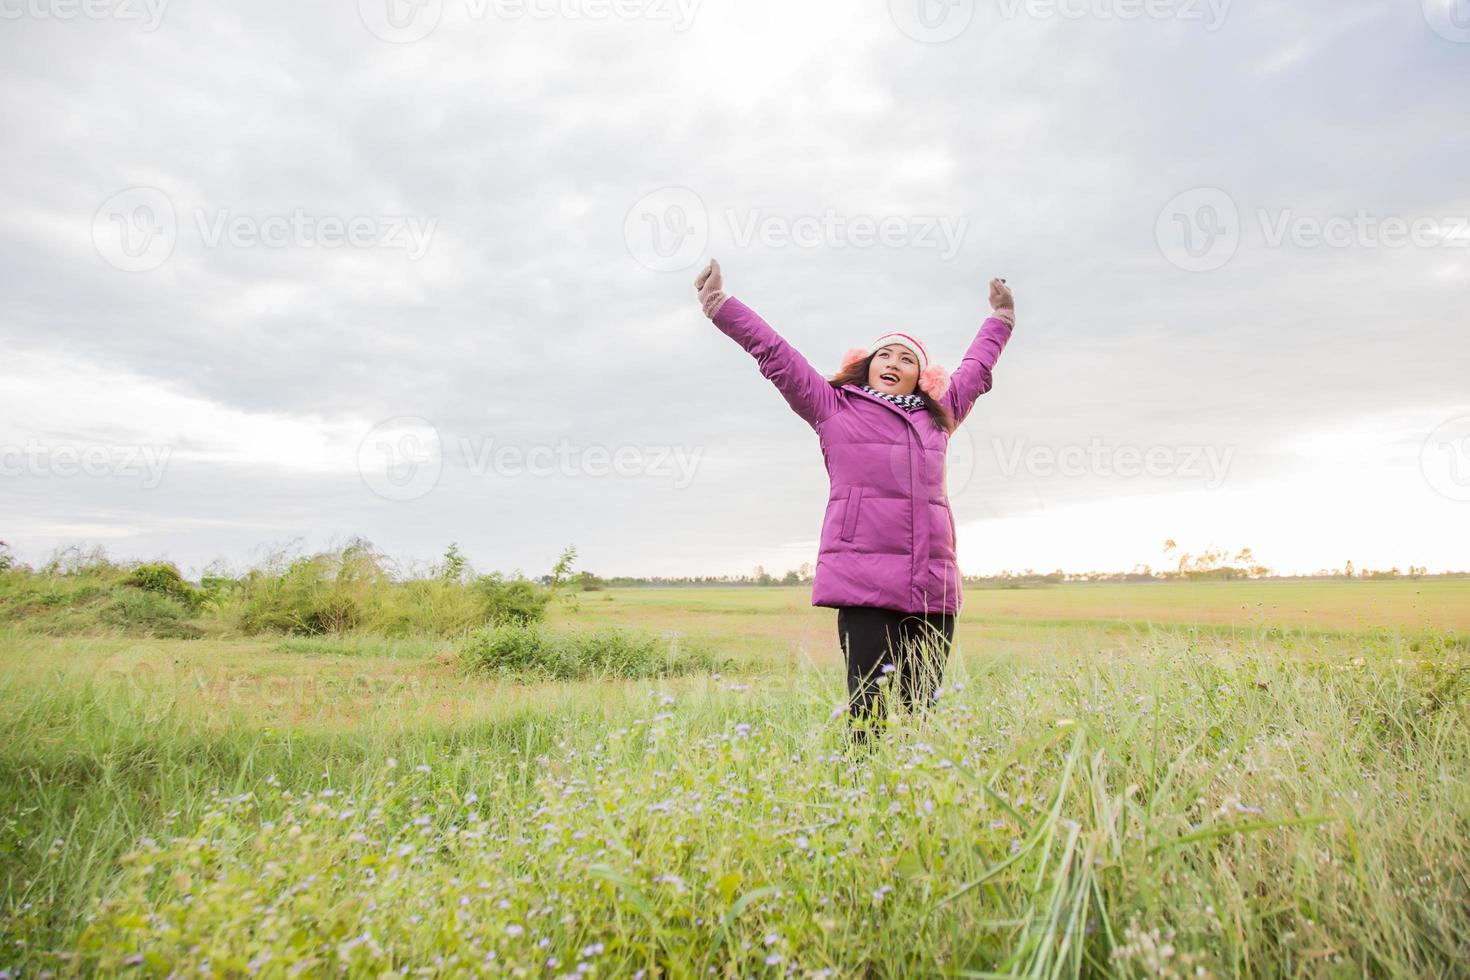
[[894, 370]]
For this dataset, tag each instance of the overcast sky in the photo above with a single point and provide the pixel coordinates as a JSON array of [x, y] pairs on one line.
[[288, 272]]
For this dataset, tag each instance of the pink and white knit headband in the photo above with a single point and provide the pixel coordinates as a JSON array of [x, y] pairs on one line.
[[934, 380], [903, 340]]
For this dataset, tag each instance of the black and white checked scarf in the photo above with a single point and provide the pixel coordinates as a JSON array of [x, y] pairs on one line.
[[909, 403]]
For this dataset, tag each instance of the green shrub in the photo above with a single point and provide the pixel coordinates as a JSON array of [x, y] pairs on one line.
[[515, 600], [216, 590], [427, 606], [534, 652], [325, 593], [135, 611], [164, 579], [96, 596], [353, 590]]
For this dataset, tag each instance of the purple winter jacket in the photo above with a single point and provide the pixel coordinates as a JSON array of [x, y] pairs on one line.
[[888, 538]]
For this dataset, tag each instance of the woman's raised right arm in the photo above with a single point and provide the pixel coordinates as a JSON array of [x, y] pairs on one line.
[[973, 377], [805, 390]]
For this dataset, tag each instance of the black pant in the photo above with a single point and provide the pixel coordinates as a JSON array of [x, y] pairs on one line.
[[913, 647]]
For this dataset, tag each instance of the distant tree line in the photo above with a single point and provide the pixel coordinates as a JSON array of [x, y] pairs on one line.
[[1208, 565]]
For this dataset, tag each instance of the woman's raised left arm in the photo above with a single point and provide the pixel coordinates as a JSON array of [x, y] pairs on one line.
[[973, 377]]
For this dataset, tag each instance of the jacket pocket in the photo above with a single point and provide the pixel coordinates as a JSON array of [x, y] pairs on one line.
[[850, 513]]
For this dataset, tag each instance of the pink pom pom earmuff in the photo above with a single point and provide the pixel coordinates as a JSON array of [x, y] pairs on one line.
[[853, 356], [934, 381]]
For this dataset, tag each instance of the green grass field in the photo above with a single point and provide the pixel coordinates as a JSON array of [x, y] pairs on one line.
[[1178, 779]]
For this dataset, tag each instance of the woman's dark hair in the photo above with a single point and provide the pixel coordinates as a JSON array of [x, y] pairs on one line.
[[857, 374]]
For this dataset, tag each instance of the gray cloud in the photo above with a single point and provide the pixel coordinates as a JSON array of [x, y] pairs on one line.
[[1054, 140]]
